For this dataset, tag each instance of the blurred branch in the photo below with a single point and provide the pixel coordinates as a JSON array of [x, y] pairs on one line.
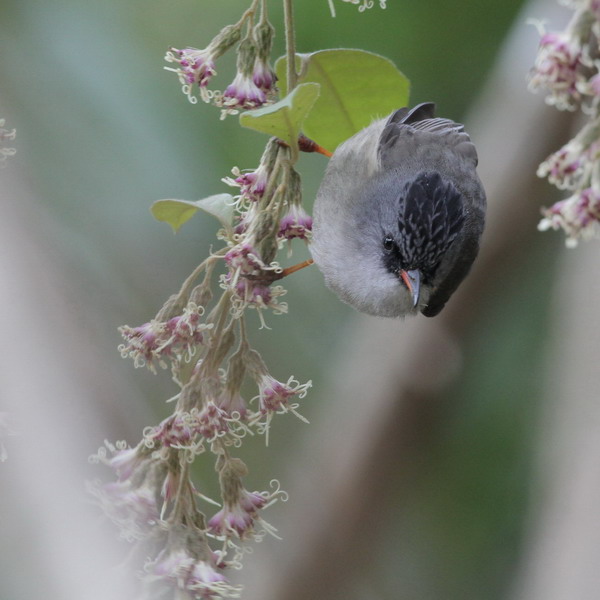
[[563, 549], [55, 389]]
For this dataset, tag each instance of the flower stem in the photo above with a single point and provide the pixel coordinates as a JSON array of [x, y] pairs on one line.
[[182, 487], [248, 14], [263, 11], [290, 44]]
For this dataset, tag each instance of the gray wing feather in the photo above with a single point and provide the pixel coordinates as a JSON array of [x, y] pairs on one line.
[[438, 125], [406, 131]]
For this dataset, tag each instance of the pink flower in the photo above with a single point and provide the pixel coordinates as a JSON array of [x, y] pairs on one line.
[[131, 502], [253, 293], [578, 216], [196, 67], [572, 165], [594, 8], [174, 565], [295, 224], [153, 344], [204, 581], [558, 68], [125, 462], [238, 518], [252, 184], [243, 259], [262, 73], [178, 430], [132, 508], [264, 77], [201, 579], [274, 395], [123, 459], [565, 167], [232, 403], [243, 222], [242, 94], [212, 422], [594, 85]]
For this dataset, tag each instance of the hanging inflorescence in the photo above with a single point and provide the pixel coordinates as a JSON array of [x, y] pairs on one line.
[[226, 391], [568, 67]]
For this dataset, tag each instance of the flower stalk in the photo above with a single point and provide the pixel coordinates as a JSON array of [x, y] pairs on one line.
[[290, 45]]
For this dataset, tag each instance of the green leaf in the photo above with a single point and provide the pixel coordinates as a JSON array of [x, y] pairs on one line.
[[178, 212], [356, 87], [284, 118]]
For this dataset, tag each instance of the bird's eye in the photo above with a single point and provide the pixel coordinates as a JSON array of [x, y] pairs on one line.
[[388, 244]]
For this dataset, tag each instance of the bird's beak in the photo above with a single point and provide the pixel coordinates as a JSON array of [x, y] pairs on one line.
[[412, 280]]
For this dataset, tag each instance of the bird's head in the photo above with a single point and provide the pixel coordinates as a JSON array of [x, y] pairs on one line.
[[413, 227]]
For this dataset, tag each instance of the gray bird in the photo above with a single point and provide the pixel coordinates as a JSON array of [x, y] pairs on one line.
[[399, 214]]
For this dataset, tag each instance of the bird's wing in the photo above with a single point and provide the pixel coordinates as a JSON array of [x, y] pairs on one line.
[[405, 130], [456, 265]]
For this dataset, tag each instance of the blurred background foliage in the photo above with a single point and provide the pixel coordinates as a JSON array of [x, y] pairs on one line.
[[103, 131]]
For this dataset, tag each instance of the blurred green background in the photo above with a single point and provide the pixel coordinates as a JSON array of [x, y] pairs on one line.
[[103, 131]]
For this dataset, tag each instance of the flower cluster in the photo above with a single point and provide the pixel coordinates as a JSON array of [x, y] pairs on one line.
[[196, 67], [254, 84], [158, 343], [226, 392], [187, 564], [132, 502], [269, 214], [567, 66], [578, 215], [240, 519], [296, 223], [153, 499]]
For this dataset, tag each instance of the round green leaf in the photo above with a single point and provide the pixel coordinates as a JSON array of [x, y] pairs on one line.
[[178, 212], [284, 118], [356, 87]]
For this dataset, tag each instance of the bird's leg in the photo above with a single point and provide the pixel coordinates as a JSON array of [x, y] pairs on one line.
[[307, 145]]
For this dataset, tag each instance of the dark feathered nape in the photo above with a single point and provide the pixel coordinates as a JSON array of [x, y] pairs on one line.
[[431, 216]]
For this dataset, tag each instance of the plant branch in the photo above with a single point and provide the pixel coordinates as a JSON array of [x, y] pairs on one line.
[[290, 44], [249, 13]]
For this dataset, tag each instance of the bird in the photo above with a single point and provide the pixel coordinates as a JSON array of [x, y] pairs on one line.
[[399, 214]]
